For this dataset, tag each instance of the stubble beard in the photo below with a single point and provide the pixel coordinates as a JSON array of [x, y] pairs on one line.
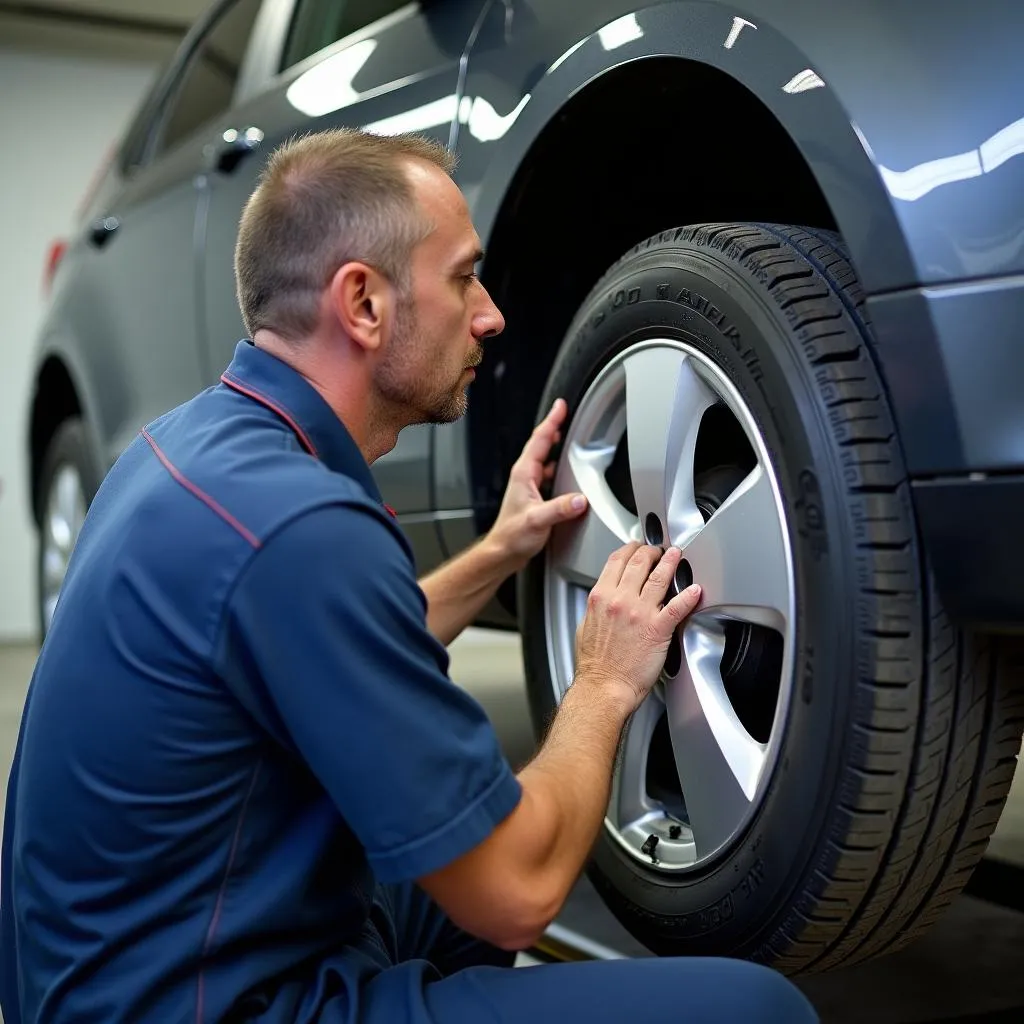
[[426, 400]]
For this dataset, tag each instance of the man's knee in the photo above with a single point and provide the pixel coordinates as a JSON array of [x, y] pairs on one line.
[[761, 995]]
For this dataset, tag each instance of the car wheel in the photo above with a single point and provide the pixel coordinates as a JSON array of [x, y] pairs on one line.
[[67, 483], [820, 765]]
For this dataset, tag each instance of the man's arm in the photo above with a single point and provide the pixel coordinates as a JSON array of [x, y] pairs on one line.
[[458, 591], [510, 887]]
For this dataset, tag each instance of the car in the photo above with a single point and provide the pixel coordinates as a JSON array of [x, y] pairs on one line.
[[773, 258]]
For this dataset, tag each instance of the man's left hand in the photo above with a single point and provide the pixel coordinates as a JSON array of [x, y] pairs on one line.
[[525, 519]]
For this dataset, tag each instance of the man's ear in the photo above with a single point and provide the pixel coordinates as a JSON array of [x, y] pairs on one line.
[[360, 297]]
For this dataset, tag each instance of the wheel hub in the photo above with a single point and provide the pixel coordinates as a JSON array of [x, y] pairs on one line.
[[667, 451]]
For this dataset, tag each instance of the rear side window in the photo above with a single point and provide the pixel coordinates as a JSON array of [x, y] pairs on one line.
[[318, 23], [207, 85]]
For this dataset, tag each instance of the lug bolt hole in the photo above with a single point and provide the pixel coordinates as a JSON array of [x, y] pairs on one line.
[[652, 530], [674, 658], [684, 575]]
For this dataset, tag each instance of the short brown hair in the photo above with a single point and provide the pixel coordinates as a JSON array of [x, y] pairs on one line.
[[322, 200]]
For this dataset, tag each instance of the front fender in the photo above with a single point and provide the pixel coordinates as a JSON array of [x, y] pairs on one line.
[[865, 94]]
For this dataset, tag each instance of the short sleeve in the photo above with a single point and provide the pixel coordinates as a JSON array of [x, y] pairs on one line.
[[325, 642]]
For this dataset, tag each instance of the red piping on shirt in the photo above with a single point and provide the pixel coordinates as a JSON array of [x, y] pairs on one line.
[[199, 493], [257, 396]]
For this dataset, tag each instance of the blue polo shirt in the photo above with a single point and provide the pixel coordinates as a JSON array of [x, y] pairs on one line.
[[238, 725]]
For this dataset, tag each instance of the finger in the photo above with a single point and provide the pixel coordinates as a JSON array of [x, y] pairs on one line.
[[613, 568], [661, 577], [677, 610], [558, 510], [559, 407], [543, 437], [638, 568], [549, 470]]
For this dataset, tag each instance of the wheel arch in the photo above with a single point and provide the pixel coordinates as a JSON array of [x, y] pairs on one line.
[[796, 66], [575, 204]]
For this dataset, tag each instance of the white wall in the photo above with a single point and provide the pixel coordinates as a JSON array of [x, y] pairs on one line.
[[60, 110]]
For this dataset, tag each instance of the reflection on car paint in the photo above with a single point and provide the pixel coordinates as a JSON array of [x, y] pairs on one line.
[[919, 180]]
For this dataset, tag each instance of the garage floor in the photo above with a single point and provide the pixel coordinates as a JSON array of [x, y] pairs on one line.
[[968, 970]]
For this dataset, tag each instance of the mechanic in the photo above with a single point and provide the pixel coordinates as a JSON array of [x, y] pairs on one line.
[[245, 788]]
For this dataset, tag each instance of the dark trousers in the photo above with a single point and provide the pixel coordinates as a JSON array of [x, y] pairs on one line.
[[473, 982]]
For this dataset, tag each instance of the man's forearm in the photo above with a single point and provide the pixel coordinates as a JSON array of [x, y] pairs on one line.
[[459, 590], [510, 887], [569, 782]]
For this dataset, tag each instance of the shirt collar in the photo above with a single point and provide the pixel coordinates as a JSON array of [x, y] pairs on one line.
[[272, 383]]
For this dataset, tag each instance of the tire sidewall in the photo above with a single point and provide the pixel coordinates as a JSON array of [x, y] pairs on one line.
[[696, 297]]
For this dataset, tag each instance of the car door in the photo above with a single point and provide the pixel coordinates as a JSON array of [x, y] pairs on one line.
[[140, 322], [375, 64]]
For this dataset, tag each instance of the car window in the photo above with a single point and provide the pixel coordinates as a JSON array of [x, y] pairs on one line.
[[208, 82], [135, 139], [318, 23]]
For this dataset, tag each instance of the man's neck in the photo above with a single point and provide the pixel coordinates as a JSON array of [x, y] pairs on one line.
[[342, 382]]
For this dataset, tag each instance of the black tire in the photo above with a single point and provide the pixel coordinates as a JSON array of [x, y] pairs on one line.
[[903, 732], [69, 445]]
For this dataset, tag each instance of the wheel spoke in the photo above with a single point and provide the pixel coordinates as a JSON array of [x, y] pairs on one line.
[[719, 763], [59, 532], [580, 549], [739, 557], [629, 800], [65, 510], [67, 497], [54, 568], [665, 400]]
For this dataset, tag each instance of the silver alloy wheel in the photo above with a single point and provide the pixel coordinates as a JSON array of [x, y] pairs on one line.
[[62, 522], [656, 393]]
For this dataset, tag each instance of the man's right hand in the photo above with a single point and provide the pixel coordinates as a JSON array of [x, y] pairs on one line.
[[623, 640]]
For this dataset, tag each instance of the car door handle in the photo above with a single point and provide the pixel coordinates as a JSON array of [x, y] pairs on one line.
[[102, 230], [234, 147]]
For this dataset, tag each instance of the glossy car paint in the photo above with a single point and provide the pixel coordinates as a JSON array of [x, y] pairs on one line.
[[922, 171], [910, 118]]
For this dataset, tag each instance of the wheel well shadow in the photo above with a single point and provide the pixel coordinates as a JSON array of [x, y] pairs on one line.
[[54, 401]]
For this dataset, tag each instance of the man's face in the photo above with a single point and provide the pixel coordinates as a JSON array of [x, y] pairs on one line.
[[436, 341]]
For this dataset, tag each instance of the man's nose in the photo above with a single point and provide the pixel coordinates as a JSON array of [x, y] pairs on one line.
[[488, 322]]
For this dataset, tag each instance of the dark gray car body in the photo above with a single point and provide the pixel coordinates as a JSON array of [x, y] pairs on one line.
[[582, 127]]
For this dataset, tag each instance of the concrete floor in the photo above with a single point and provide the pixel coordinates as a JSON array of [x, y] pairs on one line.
[[968, 970]]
